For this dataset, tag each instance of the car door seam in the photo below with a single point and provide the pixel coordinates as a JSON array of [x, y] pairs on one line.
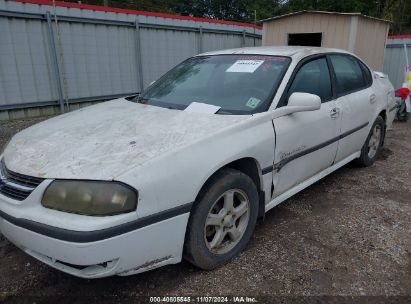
[[278, 166]]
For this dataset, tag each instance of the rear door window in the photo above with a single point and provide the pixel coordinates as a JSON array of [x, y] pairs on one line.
[[367, 74], [348, 74]]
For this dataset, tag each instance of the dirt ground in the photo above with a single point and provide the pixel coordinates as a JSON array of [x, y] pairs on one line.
[[349, 234]]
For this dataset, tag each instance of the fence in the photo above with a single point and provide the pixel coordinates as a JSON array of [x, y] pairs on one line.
[[395, 59], [76, 53]]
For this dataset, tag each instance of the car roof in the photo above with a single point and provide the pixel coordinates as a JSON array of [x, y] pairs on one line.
[[296, 52]]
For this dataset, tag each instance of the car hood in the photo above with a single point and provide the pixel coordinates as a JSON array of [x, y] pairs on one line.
[[103, 141]]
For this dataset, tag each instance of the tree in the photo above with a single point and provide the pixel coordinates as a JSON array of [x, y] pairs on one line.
[[398, 11]]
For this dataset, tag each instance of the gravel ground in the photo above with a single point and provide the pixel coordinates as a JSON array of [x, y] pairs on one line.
[[348, 234]]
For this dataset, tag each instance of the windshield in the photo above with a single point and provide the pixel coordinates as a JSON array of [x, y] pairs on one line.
[[239, 84]]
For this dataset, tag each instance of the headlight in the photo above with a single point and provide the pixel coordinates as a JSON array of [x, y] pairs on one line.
[[90, 197]]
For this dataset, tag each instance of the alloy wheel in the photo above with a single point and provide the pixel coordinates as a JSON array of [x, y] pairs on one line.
[[227, 221], [374, 142]]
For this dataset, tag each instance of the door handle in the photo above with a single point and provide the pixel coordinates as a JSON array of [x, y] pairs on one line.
[[335, 112], [373, 98]]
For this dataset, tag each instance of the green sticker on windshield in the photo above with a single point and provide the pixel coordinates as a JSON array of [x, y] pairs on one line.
[[253, 102]]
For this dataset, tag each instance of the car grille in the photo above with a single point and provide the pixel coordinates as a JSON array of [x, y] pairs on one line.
[[15, 185]]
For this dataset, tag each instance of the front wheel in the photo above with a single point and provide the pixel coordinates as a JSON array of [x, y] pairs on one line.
[[222, 220], [373, 145]]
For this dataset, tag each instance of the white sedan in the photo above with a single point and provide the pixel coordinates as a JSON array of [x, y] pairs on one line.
[[186, 168]]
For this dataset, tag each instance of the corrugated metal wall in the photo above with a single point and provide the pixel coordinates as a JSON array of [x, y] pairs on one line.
[[97, 59], [25, 69], [94, 55], [394, 60]]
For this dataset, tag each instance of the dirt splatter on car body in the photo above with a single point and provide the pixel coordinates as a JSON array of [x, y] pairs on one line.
[[348, 234]]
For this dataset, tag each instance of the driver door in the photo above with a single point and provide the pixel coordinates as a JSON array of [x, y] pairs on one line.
[[306, 142]]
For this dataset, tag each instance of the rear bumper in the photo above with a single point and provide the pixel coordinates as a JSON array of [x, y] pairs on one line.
[[135, 251]]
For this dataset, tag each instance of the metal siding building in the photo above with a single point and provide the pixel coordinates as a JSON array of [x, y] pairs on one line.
[[362, 35], [97, 53], [395, 60]]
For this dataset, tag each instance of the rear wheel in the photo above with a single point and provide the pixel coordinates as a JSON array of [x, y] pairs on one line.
[[223, 219], [373, 145]]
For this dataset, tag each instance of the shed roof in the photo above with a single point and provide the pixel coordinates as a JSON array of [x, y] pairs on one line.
[[322, 12]]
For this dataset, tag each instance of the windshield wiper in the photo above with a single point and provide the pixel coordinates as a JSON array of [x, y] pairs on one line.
[[224, 112], [141, 99]]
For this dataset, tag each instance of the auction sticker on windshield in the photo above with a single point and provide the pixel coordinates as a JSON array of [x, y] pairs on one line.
[[245, 66]]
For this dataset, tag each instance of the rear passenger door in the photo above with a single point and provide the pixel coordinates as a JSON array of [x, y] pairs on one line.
[[354, 103]]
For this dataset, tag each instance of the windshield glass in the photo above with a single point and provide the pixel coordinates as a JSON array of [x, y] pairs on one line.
[[239, 84]]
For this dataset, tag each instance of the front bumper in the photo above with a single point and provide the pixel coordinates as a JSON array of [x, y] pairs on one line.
[[137, 250]]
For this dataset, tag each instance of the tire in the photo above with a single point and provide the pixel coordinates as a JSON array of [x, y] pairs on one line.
[[368, 154], [208, 208], [402, 114]]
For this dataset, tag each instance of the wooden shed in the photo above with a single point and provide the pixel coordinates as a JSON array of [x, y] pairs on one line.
[[362, 35]]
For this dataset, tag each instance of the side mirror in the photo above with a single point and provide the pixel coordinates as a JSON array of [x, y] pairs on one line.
[[304, 102], [299, 102]]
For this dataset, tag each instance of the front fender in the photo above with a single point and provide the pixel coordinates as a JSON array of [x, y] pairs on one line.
[[176, 178]]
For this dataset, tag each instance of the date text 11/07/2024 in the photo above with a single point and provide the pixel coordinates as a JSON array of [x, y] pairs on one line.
[[206, 299]]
